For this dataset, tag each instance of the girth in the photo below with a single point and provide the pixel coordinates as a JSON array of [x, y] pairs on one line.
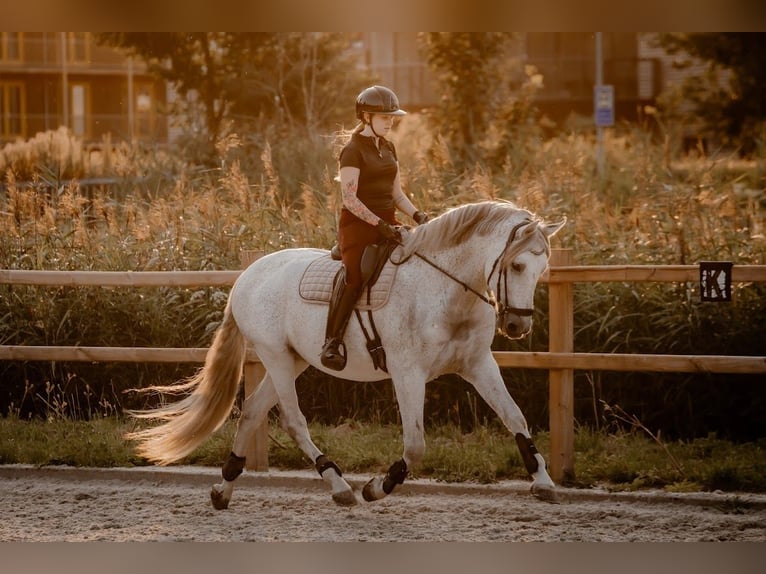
[[373, 260]]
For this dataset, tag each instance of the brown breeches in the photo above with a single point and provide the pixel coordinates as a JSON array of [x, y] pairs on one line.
[[353, 236]]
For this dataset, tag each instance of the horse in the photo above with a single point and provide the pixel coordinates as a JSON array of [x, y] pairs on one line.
[[460, 278]]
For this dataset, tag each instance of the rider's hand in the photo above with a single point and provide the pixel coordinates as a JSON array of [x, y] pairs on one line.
[[420, 217], [389, 231]]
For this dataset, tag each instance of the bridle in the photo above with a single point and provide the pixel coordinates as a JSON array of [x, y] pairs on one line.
[[502, 279], [501, 309]]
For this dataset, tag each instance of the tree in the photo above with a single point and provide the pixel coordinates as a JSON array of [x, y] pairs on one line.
[[283, 78], [306, 80], [466, 67], [204, 63], [734, 110]]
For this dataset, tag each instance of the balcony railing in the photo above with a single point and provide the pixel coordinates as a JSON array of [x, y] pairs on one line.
[[52, 53]]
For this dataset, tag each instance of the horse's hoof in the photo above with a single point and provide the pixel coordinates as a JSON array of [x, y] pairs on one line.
[[372, 491], [218, 500], [545, 493], [345, 498]]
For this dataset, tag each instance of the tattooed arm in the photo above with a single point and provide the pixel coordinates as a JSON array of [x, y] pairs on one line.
[[349, 183]]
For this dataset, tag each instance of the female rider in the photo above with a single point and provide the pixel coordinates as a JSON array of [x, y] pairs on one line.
[[371, 192]]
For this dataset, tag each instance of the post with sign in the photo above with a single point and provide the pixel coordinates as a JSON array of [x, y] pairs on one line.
[[603, 105]]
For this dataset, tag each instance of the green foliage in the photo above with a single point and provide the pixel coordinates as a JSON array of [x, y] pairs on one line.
[[732, 110], [98, 443], [487, 97], [630, 461], [619, 461], [251, 80], [207, 63]]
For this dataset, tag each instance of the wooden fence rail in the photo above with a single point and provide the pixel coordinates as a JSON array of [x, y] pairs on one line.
[[559, 274], [120, 278], [560, 360], [506, 359]]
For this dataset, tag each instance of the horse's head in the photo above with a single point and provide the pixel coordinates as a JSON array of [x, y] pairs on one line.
[[515, 274], [517, 259]]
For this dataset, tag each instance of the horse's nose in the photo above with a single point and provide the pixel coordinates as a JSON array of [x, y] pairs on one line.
[[517, 327], [513, 330]]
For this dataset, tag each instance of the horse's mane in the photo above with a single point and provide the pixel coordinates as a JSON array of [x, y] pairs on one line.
[[456, 225]]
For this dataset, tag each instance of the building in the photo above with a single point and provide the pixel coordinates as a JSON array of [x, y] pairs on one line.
[[53, 79], [50, 79]]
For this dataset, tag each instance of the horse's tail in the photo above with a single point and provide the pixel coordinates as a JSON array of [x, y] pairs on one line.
[[213, 391]]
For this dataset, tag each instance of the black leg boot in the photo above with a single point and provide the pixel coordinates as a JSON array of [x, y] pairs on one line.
[[342, 304]]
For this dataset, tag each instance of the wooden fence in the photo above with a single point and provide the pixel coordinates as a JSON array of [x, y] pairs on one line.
[[560, 360]]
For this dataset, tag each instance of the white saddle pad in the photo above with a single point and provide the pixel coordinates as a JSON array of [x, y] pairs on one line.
[[316, 284]]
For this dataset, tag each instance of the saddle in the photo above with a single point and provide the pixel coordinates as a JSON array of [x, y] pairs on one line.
[[316, 286], [316, 283]]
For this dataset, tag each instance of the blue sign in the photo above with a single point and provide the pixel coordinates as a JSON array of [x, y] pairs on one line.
[[603, 105]]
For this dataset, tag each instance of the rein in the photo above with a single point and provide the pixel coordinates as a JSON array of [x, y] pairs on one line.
[[488, 300], [465, 285]]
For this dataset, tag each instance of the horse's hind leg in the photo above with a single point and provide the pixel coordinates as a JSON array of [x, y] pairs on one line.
[[254, 411], [486, 378], [295, 425]]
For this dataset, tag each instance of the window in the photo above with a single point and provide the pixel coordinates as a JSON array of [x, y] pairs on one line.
[[565, 59], [144, 105], [12, 120], [78, 47], [79, 102], [10, 46]]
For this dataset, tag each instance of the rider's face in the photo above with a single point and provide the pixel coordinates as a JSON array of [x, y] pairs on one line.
[[382, 123]]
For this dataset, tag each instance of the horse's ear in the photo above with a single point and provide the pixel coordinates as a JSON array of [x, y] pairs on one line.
[[551, 229]]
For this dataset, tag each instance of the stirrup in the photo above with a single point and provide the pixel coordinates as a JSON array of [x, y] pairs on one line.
[[334, 354]]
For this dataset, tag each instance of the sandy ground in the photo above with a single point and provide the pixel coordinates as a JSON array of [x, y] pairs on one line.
[[151, 504]]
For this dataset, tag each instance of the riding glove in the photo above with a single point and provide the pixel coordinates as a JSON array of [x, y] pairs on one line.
[[420, 217], [389, 232]]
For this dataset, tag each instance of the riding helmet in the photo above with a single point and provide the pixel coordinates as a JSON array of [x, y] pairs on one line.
[[378, 100]]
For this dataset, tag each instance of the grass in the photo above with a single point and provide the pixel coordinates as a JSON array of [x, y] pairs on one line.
[[620, 461]]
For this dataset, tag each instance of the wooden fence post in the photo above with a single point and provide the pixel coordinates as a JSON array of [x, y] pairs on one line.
[[257, 453], [561, 381]]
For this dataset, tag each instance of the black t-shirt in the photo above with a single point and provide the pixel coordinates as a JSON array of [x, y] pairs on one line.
[[377, 170]]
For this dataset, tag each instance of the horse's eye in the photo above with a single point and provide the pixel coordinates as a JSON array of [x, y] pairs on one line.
[[517, 267]]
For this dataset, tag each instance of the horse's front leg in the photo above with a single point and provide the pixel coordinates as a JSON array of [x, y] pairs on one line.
[[485, 376], [410, 394]]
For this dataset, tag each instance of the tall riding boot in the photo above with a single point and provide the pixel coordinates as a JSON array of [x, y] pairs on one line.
[[342, 303]]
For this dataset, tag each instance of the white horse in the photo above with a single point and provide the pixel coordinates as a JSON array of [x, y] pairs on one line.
[[459, 279]]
